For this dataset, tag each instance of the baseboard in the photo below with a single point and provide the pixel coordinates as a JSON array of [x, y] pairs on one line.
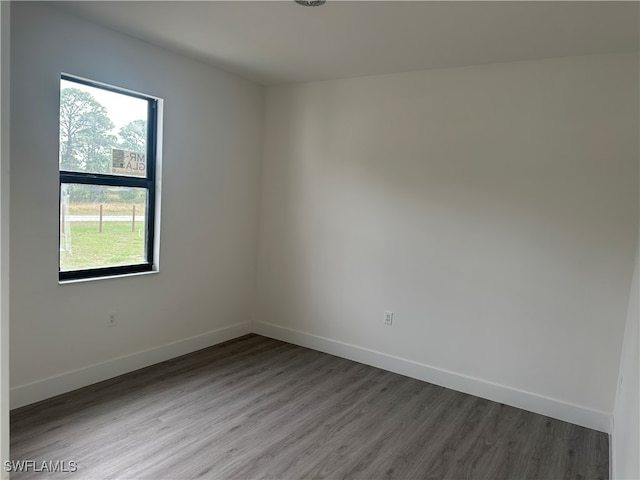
[[558, 409], [568, 412], [52, 386], [612, 448]]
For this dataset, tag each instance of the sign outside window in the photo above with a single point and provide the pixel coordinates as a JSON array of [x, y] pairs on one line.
[[129, 163]]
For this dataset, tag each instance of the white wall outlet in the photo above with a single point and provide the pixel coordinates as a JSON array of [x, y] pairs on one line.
[[388, 317], [111, 321]]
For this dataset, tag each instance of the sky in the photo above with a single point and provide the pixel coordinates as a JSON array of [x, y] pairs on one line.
[[121, 109]]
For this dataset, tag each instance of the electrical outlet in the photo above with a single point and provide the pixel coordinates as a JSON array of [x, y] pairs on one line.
[[111, 321], [388, 317]]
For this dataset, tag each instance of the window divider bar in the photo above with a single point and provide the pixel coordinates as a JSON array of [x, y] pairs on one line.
[[106, 180]]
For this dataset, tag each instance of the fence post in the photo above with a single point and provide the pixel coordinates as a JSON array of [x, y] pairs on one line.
[[100, 228], [133, 219]]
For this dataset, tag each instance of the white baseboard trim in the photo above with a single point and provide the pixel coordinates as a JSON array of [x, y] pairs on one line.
[[56, 385], [558, 409], [612, 448]]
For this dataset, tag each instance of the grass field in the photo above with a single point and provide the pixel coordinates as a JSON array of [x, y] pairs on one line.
[[115, 245]]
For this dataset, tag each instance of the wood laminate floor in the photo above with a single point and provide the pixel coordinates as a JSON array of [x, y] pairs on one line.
[[257, 408]]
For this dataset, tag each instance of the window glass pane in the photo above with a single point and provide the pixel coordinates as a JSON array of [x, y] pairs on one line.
[[102, 131], [101, 226]]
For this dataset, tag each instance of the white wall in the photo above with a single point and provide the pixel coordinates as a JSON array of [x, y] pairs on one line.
[[5, 28], [492, 208], [210, 183], [625, 441]]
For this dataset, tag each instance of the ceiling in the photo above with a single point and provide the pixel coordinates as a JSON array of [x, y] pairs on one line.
[[274, 42]]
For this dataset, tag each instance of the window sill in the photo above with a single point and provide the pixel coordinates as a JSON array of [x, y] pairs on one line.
[[108, 277]]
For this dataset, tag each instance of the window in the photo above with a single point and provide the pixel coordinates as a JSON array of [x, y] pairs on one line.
[[107, 163]]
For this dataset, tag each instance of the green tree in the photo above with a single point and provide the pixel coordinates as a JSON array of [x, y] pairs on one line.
[[134, 139], [134, 136], [85, 139]]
